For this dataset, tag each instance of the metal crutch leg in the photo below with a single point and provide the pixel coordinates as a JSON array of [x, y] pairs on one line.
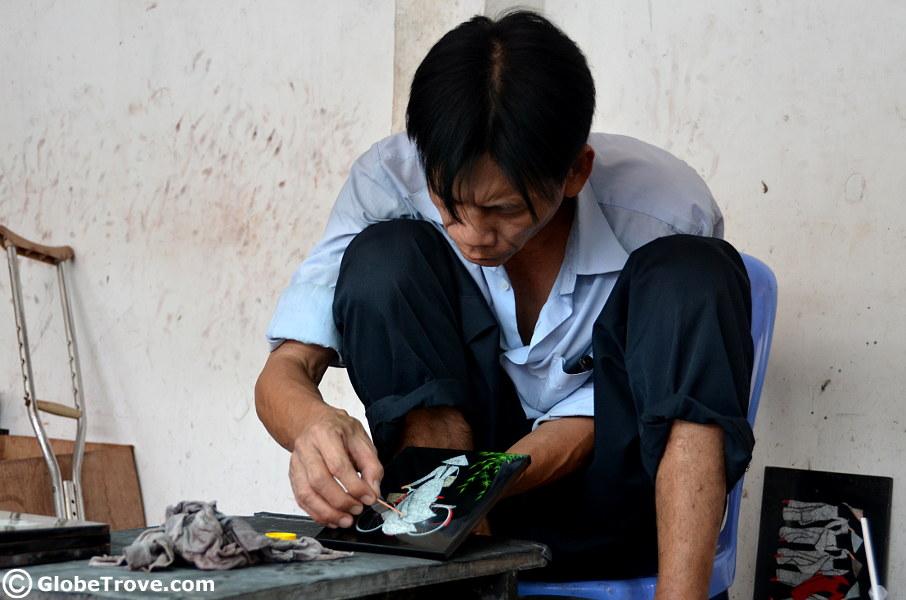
[[67, 494]]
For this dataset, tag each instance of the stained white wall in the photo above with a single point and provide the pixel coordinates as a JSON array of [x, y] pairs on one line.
[[190, 151], [795, 114]]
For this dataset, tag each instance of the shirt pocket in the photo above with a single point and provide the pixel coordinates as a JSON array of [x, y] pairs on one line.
[[558, 384]]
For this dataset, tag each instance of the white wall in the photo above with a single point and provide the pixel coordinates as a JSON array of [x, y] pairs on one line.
[[795, 114], [146, 135], [189, 153]]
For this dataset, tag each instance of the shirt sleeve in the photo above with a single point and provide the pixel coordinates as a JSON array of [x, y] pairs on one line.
[[305, 308], [641, 207]]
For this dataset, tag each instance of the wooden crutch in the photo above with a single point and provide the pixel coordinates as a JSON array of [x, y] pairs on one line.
[[67, 494]]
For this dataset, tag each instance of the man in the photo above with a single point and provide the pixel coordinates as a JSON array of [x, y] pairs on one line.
[[502, 279]]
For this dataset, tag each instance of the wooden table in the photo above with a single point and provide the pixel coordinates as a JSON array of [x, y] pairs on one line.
[[483, 568]]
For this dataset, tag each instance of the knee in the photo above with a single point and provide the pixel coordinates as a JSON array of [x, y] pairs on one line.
[[684, 261], [388, 255], [394, 235], [390, 245]]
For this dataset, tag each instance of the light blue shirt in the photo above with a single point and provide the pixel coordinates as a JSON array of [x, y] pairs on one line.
[[635, 193]]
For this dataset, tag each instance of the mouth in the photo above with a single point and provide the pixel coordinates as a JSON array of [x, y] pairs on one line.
[[486, 261], [487, 256]]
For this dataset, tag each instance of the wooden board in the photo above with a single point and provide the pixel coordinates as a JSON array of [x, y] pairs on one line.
[[109, 480]]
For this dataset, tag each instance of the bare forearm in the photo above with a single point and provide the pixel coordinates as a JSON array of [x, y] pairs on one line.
[[334, 470], [690, 493], [557, 449], [286, 393]]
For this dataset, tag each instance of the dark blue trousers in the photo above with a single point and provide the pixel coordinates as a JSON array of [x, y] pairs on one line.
[[673, 342]]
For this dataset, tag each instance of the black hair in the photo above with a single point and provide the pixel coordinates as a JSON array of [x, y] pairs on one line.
[[516, 89]]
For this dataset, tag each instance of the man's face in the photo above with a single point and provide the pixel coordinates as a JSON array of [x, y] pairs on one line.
[[496, 223]]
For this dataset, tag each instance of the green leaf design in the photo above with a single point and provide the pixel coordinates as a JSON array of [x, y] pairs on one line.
[[482, 473]]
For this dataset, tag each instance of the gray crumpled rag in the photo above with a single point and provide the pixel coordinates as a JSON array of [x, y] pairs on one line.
[[203, 536]]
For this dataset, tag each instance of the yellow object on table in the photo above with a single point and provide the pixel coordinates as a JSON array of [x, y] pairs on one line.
[[281, 535]]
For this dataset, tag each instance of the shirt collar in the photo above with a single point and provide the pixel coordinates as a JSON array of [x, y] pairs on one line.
[[421, 201], [598, 249]]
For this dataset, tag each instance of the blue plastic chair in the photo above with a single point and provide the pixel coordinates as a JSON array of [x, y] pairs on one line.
[[764, 307]]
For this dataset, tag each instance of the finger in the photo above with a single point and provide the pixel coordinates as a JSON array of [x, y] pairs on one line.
[[308, 498], [320, 475], [365, 457], [319, 494], [335, 471], [355, 490]]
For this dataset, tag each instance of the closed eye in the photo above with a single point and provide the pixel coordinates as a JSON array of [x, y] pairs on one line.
[[506, 208]]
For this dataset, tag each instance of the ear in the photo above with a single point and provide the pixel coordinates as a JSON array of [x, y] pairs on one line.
[[579, 172]]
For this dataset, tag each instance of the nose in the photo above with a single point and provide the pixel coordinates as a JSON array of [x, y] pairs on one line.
[[472, 232]]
